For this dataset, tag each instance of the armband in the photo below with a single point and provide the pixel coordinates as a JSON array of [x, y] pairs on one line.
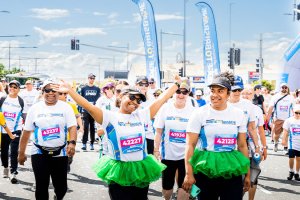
[[177, 84]]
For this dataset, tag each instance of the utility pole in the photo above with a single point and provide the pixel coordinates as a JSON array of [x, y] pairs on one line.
[[261, 63]]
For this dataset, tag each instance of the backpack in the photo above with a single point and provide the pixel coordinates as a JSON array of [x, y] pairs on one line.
[[21, 102]]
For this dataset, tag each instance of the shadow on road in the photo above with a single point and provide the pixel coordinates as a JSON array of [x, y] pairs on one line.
[[282, 181], [3, 196], [82, 179]]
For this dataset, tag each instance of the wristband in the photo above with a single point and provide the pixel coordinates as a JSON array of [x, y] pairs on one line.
[[72, 142], [177, 84], [256, 147], [265, 147], [4, 126]]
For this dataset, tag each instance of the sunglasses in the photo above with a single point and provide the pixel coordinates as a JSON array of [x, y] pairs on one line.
[[92, 78], [60, 93], [284, 87], [156, 95], [143, 84], [237, 90], [14, 87], [151, 83], [132, 98], [184, 92], [48, 90], [118, 90], [297, 113], [109, 88]]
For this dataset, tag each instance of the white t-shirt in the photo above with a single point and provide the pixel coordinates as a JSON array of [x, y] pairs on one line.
[[247, 107], [218, 130], [259, 121], [50, 124], [283, 107], [106, 103], [292, 125], [149, 123], [126, 134], [28, 97], [173, 121], [11, 110]]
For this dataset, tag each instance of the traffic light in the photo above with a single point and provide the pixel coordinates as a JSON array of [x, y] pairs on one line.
[[77, 45], [73, 44], [298, 10], [231, 58], [237, 56], [181, 71], [257, 65]]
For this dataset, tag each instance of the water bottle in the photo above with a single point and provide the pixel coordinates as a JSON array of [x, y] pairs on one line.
[[256, 158]]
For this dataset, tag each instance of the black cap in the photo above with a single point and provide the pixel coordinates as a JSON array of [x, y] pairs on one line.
[[17, 83], [257, 87], [222, 82], [151, 80], [133, 90], [141, 78], [91, 75]]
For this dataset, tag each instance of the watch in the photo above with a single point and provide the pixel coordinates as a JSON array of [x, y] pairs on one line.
[[177, 84], [256, 147], [72, 142], [265, 147]]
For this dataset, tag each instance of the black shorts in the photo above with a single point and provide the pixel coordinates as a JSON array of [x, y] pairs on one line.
[[168, 175], [294, 153]]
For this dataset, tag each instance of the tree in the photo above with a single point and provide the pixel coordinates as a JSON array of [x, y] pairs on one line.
[[266, 84], [4, 72]]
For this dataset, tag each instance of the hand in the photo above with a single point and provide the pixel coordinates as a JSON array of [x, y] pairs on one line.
[[246, 183], [70, 150], [189, 180], [264, 154], [177, 79], [284, 143], [157, 155], [22, 158], [12, 137], [63, 87]]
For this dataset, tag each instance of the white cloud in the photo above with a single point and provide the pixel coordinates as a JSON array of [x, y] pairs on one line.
[[47, 35], [48, 14], [113, 15], [164, 17], [99, 14]]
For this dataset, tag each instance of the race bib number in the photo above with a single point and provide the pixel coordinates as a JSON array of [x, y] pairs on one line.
[[283, 108], [51, 133], [177, 136], [225, 142], [131, 143], [10, 115], [296, 131]]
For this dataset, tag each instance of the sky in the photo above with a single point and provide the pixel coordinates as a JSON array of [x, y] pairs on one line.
[[51, 25]]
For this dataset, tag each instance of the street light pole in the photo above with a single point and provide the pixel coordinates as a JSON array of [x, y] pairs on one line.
[[230, 5], [184, 37]]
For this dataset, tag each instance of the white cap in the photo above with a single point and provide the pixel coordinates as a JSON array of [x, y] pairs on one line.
[[283, 84], [296, 107], [198, 92], [47, 82]]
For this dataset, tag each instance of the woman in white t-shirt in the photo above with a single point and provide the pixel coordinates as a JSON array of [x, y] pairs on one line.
[[291, 133], [126, 167], [217, 167], [170, 139], [50, 121]]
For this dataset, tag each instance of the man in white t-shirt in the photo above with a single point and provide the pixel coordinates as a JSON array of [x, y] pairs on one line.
[[28, 95], [281, 106]]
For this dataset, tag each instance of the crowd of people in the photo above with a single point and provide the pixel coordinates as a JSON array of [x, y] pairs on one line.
[[212, 142]]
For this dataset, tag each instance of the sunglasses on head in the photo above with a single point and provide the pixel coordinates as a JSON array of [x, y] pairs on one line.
[[284, 87], [60, 93], [184, 92], [143, 84], [48, 90], [132, 97], [297, 113], [237, 90]]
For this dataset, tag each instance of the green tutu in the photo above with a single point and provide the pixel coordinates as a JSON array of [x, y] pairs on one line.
[[135, 173], [220, 164]]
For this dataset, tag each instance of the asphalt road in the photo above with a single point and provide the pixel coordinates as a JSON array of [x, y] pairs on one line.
[[83, 183]]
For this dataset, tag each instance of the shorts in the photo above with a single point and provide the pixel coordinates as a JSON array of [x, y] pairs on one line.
[[294, 153], [168, 175], [278, 126]]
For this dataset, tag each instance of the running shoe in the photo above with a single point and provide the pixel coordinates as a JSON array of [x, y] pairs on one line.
[[275, 147], [92, 147], [297, 178], [83, 147], [13, 178], [5, 172], [290, 177]]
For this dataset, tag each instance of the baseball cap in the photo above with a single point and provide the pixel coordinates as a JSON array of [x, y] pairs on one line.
[[198, 92], [141, 78], [28, 82], [185, 84], [17, 83], [296, 107], [108, 85], [3, 79], [158, 91], [222, 82], [91, 75], [238, 83], [151, 80], [284, 84], [47, 82], [133, 90]]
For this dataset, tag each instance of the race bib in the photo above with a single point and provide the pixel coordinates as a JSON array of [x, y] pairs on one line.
[[10, 115], [131, 143], [283, 108], [177, 136], [296, 131], [51, 133], [226, 142]]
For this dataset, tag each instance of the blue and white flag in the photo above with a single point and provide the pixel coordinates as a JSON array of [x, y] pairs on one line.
[[211, 58], [150, 39]]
